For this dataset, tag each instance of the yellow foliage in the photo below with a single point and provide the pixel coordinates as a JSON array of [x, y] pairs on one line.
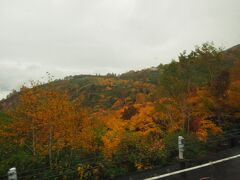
[[113, 136], [143, 122], [44, 117]]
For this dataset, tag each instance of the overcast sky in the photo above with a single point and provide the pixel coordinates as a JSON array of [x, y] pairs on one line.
[[67, 37]]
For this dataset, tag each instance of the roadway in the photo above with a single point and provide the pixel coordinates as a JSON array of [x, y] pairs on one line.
[[228, 170]]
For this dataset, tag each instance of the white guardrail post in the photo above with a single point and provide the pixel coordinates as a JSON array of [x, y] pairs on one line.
[[180, 147], [12, 174]]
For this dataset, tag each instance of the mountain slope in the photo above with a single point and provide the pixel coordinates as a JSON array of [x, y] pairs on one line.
[[195, 69]]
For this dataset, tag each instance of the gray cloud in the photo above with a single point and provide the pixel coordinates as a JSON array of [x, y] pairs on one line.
[[99, 36]]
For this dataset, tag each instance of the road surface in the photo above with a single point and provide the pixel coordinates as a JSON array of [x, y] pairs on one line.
[[228, 170]]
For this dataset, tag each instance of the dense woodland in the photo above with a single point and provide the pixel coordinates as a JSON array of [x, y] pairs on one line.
[[93, 126]]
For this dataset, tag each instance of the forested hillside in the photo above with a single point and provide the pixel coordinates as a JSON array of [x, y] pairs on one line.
[[105, 126]]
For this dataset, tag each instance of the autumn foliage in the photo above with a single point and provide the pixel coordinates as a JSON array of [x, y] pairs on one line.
[[122, 123]]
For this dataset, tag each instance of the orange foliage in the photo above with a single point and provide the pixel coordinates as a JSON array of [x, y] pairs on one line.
[[199, 102], [170, 115], [199, 105], [143, 122], [115, 130], [205, 128], [45, 118]]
